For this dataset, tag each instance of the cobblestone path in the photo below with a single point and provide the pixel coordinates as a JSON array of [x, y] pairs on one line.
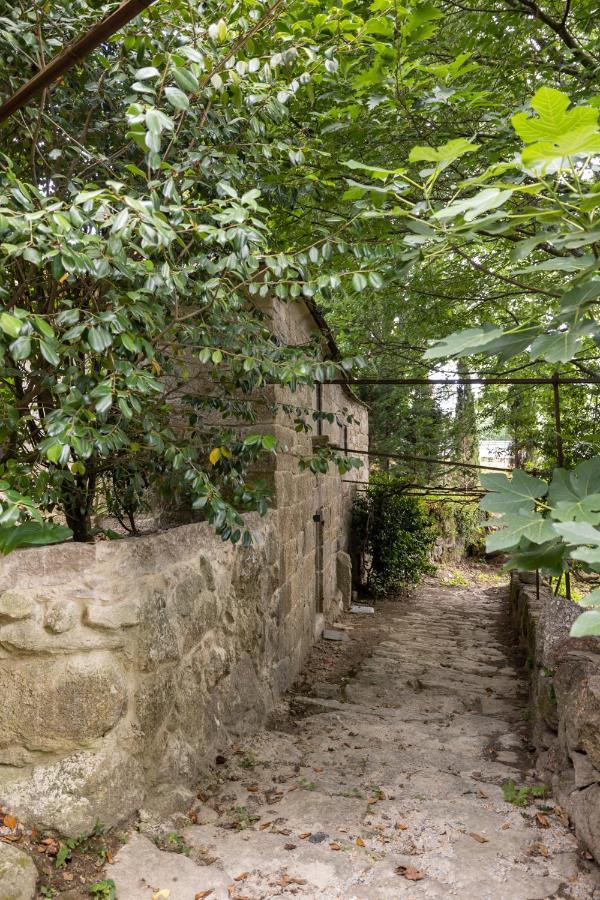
[[393, 790]]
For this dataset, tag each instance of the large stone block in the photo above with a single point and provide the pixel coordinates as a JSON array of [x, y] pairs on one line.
[[577, 686], [64, 703], [14, 605], [18, 874], [29, 636], [75, 793], [119, 614]]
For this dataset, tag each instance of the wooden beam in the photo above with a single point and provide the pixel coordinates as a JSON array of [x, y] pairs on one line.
[[72, 54]]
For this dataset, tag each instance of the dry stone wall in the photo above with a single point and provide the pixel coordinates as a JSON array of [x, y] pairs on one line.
[[126, 664], [565, 701]]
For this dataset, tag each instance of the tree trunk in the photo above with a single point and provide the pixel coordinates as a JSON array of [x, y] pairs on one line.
[[77, 506]]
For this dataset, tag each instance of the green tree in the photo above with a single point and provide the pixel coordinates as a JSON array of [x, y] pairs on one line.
[[138, 199]]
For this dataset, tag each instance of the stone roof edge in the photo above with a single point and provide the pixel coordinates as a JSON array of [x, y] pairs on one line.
[[325, 330]]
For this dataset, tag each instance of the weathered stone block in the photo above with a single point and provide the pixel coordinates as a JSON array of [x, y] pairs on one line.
[[122, 614], [18, 874], [62, 616], [577, 685], [29, 636], [61, 703], [344, 577], [73, 794], [14, 605]]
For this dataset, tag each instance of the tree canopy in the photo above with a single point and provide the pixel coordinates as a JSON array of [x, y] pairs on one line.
[[425, 172]]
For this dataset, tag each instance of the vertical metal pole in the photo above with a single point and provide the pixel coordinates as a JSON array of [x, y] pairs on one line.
[[537, 584], [319, 391], [560, 457]]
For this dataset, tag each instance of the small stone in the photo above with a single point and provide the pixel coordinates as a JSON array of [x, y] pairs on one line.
[[116, 615], [15, 606], [18, 874], [325, 691], [62, 616], [330, 635], [318, 837], [362, 610]]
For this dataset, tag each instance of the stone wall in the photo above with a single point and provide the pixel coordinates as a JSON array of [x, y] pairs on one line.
[[565, 702], [126, 664]]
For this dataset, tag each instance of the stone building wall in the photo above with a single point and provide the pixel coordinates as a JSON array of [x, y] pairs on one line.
[[126, 664], [565, 702]]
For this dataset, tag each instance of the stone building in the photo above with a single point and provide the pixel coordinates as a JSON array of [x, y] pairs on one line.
[[125, 665]]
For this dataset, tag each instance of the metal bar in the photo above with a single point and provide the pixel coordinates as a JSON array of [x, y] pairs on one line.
[[72, 54], [560, 456], [428, 459], [457, 381]]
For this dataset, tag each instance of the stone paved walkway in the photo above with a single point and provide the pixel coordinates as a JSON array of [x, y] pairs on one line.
[[394, 792]]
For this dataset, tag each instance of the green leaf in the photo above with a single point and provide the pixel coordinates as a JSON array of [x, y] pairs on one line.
[[522, 525], [186, 79], [99, 338], [548, 557], [177, 98], [588, 623], [511, 495], [447, 153], [592, 599], [32, 534], [471, 340], [578, 532], [147, 72], [10, 324], [49, 352], [359, 281], [490, 198], [269, 442], [556, 132], [21, 348]]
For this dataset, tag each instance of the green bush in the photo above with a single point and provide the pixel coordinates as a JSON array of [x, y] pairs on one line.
[[393, 534], [460, 521]]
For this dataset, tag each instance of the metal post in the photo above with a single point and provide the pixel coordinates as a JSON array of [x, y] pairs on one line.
[[560, 457]]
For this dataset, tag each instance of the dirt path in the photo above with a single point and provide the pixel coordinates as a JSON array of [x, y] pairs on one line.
[[392, 790]]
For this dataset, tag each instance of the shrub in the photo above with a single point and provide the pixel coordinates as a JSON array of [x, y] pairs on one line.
[[393, 535]]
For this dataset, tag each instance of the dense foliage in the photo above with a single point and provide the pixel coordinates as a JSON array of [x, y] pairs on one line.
[[393, 534], [138, 200], [417, 170]]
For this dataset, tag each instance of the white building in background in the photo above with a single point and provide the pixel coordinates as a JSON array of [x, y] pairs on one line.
[[495, 453]]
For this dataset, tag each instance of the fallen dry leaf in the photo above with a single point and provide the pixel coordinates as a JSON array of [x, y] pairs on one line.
[[286, 880], [253, 789], [410, 872], [202, 894], [478, 837], [317, 769], [10, 822], [305, 834], [360, 842], [481, 794], [562, 814], [542, 820], [537, 849], [242, 876], [289, 846], [334, 846], [264, 826], [162, 895], [505, 827], [400, 826], [68, 876]]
